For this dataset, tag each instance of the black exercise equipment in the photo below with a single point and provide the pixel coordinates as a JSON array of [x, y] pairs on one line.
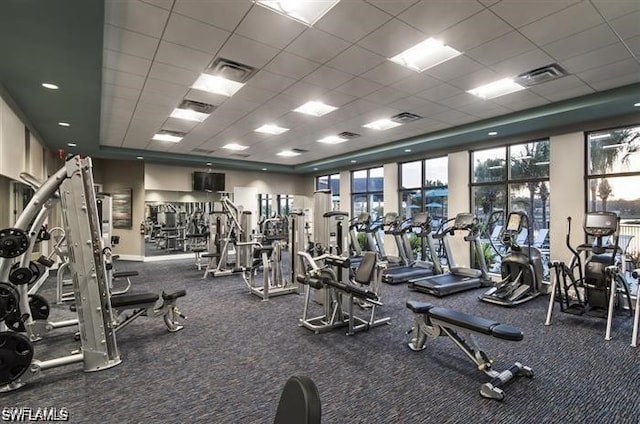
[[16, 354], [13, 242], [431, 321], [458, 278], [9, 300], [593, 285], [299, 402]]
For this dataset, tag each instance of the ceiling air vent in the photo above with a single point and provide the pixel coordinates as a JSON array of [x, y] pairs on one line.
[[347, 134], [299, 151], [230, 70], [202, 151], [196, 106], [404, 117], [540, 75]]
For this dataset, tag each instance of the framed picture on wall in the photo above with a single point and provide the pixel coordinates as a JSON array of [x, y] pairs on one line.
[[121, 200]]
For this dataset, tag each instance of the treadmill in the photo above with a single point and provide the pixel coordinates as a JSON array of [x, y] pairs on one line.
[[415, 268], [458, 279]]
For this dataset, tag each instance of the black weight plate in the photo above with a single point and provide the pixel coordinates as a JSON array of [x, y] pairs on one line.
[[35, 271], [16, 354], [13, 242], [9, 300], [20, 275], [39, 307], [15, 323]]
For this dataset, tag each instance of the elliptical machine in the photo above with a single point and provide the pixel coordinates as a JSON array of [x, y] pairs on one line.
[[521, 267]]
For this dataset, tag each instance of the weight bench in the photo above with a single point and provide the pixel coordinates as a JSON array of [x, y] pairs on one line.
[[122, 274], [145, 304], [431, 321]]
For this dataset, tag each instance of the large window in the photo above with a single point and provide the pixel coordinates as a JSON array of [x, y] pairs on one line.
[[367, 192], [512, 178], [330, 182], [423, 187], [613, 178]]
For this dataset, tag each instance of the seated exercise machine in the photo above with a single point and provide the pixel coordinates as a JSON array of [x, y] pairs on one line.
[[431, 321], [521, 266], [593, 283], [96, 324], [363, 290], [458, 278], [416, 268]]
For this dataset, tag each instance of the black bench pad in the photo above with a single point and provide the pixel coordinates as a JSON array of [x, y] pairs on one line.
[[174, 295], [128, 300], [210, 255], [461, 319], [419, 307], [122, 274], [508, 332]]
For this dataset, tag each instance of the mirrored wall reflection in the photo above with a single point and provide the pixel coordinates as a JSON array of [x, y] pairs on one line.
[[176, 222]]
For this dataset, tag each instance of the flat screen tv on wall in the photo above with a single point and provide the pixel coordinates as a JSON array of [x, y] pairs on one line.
[[208, 181]]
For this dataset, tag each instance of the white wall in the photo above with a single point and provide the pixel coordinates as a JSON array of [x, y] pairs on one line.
[[12, 146]]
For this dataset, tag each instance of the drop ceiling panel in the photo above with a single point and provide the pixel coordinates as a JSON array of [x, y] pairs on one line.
[[434, 17], [292, 66], [121, 92], [393, 7], [427, 109], [627, 26], [501, 48], [618, 81], [136, 16], [581, 43], [454, 68], [521, 12], [416, 83], [173, 74], [392, 38], [356, 60], [442, 91], [385, 95], [270, 81], [634, 45], [259, 25], [302, 92], [523, 63], [569, 21], [124, 79], [453, 117], [125, 63], [182, 57], [475, 79], [484, 110], [112, 104], [246, 51], [175, 91], [520, 100], [222, 14], [327, 77], [358, 87], [206, 97], [597, 58], [472, 32], [615, 9], [317, 45], [388, 73], [165, 4], [338, 99], [129, 42], [351, 20], [181, 125], [461, 100], [194, 34], [611, 71], [254, 94]]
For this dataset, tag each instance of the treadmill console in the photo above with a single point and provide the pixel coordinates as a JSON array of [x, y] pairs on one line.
[[600, 224], [420, 219], [514, 222], [464, 221]]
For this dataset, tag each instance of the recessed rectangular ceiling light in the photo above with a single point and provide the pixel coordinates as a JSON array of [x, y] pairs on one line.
[[332, 139], [170, 136], [307, 12], [288, 153], [315, 108], [382, 124], [191, 110], [217, 85], [271, 129], [496, 89], [235, 146], [425, 55]]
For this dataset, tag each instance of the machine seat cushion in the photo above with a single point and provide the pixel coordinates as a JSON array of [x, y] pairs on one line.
[[508, 332], [419, 307], [463, 320], [361, 292], [133, 300], [174, 295], [210, 255], [266, 249], [122, 274]]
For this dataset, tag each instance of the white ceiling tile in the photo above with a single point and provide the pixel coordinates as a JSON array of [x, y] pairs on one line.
[[356, 60], [270, 81], [154, 112], [627, 26], [569, 82], [302, 92], [165, 88], [488, 2], [416, 83], [111, 90], [358, 87], [454, 68], [525, 62], [125, 63], [129, 42], [610, 72], [564, 23], [476, 30], [182, 125], [111, 76], [392, 38], [338, 99], [292, 66], [615, 9], [223, 14], [597, 58], [387, 73], [569, 93], [194, 34], [259, 25], [112, 142], [246, 51], [240, 104], [282, 102], [521, 12], [205, 97], [136, 16], [520, 100], [317, 45], [159, 99], [385, 95], [453, 117], [408, 104], [351, 20], [173, 74], [165, 4], [182, 57], [393, 7], [501, 48], [327, 77], [474, 79], [618, 81], [582, 42], [254, 94], [484, 111], [118, 105], [634, 45], [460, 100], [434, 17], [442, 91]]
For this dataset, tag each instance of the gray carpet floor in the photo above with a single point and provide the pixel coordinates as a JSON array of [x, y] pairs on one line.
[[230, 362]]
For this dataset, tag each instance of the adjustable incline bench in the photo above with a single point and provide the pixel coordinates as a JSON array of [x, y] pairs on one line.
[[145, 304], [431, 321]]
